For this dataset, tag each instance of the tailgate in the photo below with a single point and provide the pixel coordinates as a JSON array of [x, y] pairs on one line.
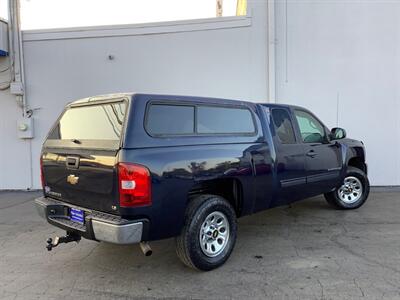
[[80, 154]]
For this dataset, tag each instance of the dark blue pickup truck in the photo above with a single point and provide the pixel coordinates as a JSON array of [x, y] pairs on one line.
[[133, 168]]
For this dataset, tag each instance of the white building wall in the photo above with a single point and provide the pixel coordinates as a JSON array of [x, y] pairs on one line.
[[219, 59], [341, 59], [338, 58], [14, 153]]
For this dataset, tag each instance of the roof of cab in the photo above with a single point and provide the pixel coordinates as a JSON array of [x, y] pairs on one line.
[[277, 105]]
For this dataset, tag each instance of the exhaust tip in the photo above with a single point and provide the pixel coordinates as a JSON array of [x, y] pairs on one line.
[[146, 249]]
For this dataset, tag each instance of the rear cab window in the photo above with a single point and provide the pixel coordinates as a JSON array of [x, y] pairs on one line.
[[92, 125], [283, 126], [199, 119]]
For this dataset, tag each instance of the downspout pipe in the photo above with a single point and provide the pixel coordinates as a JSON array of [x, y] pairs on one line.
[[21, 56], [17, 86], [271, 52], [16, 55]]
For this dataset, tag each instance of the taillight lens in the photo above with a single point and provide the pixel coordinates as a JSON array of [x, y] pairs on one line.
[[41, 171], [134, 185]]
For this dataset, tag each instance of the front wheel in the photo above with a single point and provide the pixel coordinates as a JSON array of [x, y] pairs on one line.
[[209, 233], [352, 193]]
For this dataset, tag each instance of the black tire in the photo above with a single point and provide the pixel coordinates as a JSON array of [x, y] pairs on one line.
[[335, 200], [188, 246]]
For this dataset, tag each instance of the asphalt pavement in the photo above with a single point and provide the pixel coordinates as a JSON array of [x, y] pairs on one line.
[[305, 251]]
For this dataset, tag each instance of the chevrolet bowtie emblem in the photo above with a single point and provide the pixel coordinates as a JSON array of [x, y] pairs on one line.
[[72, 179]]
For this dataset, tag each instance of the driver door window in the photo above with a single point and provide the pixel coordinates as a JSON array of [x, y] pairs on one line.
[[312, 131]]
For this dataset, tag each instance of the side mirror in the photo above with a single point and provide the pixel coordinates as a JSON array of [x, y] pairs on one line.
[[338, 133]]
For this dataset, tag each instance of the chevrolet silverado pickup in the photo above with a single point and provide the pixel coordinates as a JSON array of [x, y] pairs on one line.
[[134, 168]]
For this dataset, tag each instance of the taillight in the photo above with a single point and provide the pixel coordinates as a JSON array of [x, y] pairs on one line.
[[134, 185], [41, 171]]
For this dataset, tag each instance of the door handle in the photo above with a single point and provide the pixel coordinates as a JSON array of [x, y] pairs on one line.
[[311, 153]]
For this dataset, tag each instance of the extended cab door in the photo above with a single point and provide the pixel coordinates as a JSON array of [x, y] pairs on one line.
[[290, 157], [323, 157]]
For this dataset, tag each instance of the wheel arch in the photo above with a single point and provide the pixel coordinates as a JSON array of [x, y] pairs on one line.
[[356, 158], [230, 189]]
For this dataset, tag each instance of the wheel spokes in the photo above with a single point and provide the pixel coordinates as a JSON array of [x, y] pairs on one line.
[[214, 234], [351, 190]]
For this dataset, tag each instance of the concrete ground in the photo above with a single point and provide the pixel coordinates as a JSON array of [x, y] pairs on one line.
[[306, 251]]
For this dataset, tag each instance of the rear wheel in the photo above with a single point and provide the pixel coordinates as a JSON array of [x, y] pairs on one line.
[[352, 193], [209, 233]]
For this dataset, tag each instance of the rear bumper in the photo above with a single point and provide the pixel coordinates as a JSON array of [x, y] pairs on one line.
[[98, 226]]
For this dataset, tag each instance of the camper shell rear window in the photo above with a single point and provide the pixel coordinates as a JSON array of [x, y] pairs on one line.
[[98, 125]]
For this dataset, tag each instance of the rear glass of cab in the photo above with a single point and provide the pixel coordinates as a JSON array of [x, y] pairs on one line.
[[94, 125]]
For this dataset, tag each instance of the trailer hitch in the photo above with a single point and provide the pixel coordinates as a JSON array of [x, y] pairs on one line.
[[70, 237]]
